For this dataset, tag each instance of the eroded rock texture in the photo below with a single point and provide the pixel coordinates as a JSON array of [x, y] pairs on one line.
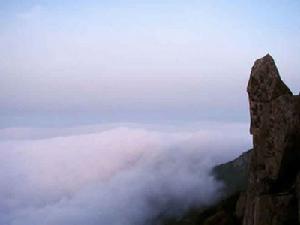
[[272, 196]]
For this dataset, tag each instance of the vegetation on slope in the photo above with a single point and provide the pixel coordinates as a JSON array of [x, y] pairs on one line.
[[234, 176]]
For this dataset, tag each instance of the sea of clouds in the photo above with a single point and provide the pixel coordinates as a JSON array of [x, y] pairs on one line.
[[126, 174]]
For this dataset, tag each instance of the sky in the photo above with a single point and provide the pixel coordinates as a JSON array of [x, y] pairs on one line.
[[68, 63]]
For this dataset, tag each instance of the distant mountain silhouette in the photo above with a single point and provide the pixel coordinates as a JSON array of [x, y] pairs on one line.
[[234, 175]]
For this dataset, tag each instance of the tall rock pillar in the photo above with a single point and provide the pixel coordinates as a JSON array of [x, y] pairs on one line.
[[270, 198]]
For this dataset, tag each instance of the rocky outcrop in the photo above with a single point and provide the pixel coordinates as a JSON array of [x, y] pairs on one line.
[[273, 189]]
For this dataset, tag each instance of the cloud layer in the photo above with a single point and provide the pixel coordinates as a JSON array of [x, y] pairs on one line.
[[116, 176]]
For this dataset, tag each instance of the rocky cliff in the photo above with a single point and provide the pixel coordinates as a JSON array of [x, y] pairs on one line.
[[272, 195]]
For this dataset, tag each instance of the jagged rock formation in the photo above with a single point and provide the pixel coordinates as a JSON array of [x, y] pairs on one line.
[[272, 193]]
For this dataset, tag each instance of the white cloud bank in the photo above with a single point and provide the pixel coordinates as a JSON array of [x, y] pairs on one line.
[[116, 176]]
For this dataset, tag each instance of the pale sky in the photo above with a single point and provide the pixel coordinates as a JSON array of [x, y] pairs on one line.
[[83, 62]]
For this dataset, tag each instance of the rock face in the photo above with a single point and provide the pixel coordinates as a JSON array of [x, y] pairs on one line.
[[273, 193]]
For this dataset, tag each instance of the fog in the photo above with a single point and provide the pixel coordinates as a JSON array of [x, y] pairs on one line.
[[114, 175]]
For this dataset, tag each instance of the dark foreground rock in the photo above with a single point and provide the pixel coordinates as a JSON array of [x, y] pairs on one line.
[[222, 213]]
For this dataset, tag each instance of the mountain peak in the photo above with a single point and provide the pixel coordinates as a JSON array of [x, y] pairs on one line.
[[264, 86], [265, 83]]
